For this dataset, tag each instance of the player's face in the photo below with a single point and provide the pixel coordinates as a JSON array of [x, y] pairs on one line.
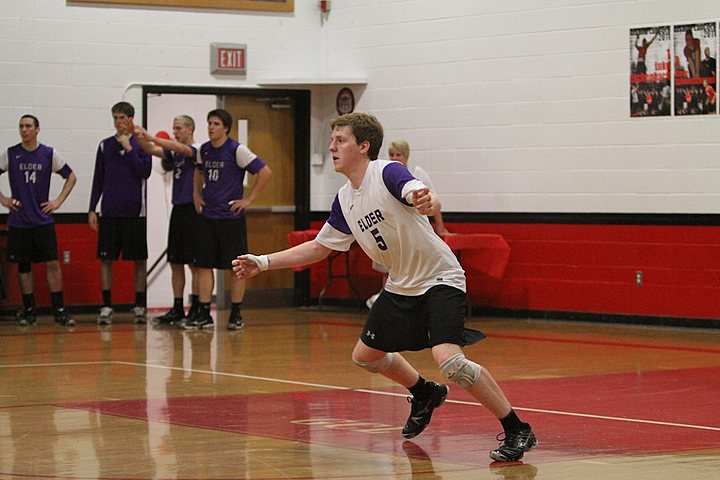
[[345, 150], [181, 132], [397, 156], [216, 129], [28, 130], [121, 120]]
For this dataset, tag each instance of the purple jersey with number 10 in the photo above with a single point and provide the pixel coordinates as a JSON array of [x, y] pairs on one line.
[[29, 175], [224, 171]]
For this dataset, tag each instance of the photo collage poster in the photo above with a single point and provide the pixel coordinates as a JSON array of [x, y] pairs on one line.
[[650, 92], [695, 54], [673, 70]]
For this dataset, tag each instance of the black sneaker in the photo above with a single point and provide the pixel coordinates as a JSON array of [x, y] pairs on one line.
[[235, 322], [189, 319], [27, 317], [421, 410], [62, 317], [201, 322], [514, 445], [170, 317]]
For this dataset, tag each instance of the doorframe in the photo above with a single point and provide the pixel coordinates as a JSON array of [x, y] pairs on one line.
[[301, 100]]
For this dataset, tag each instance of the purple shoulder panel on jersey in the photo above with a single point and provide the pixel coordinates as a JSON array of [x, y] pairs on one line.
[[255, 166], [65, 171], [337, 219], [395, 176]]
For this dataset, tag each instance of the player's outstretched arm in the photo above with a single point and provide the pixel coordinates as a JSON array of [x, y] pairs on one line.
[[145, 140], [246, 266]]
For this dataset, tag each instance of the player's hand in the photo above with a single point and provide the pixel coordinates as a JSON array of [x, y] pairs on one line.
[[142, 134], [245, 267], [425, 202], [124, 141], [128, 126], [51, 206], [12, 204], [93, 220], [199, 203], [237, 206]]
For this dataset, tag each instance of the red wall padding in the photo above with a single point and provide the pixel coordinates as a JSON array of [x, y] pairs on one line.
[[81, 277], [573, 268], [584, 268]]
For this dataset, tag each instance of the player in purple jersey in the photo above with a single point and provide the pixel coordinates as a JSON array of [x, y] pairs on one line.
[[121, 172], [219, 196], [383, 208], [178, 157], [31, 234]]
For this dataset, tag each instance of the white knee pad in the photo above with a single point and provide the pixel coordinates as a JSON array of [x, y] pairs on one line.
[[378, 366], [461, 370]]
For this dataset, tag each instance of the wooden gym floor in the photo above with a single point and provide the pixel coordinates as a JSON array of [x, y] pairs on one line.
[[281, 400]]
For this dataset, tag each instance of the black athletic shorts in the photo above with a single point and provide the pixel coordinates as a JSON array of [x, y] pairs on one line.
[[182, 234], [398, 323], [32, 245], [219, 242], [126, 235]]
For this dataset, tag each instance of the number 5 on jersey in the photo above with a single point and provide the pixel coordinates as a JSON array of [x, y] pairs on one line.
[[378, 239]]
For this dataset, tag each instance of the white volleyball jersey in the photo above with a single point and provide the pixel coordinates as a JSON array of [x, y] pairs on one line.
[[380, 217]]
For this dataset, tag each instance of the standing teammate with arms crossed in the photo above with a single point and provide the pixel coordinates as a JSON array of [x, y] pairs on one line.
[[120, 180]]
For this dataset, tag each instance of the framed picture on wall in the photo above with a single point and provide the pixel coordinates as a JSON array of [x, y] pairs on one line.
[[650, 71], [695, 58], [264, 5]]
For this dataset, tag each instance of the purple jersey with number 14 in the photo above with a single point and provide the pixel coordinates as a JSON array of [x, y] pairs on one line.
[[29, 175]]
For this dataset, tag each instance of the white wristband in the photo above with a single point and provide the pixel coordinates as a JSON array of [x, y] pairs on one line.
[[260, 260]]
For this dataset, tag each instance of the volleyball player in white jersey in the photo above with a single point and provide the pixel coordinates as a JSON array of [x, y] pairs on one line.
[[384, 208], [399, 151]]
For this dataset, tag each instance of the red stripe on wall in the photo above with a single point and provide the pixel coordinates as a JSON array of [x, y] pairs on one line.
[[553, 267], [585, 269], [81, 277]]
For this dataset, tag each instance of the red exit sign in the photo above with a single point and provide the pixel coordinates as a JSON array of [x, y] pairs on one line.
[[232, 58], [227, 58]]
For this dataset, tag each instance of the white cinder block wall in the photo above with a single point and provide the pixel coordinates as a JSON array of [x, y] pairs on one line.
[[511, 105], [523, 106], [69, 63]]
